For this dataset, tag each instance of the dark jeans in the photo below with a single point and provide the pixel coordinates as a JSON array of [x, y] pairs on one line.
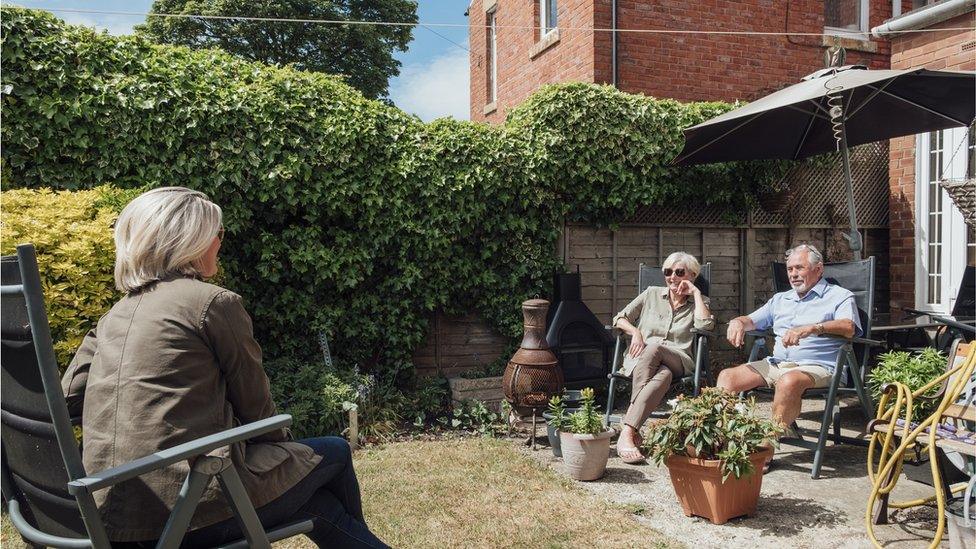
[[328, 496]]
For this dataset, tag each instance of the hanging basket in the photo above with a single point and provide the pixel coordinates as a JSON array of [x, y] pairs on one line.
[[963, 193]]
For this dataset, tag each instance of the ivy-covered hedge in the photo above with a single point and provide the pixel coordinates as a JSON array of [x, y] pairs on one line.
[[342, 213]]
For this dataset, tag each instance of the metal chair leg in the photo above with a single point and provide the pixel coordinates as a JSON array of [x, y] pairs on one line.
[[824, 428]]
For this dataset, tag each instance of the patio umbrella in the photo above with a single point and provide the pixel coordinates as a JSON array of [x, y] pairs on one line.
[[832, 109]]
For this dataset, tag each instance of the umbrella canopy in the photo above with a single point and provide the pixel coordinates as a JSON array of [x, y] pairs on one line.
[[796, 122]]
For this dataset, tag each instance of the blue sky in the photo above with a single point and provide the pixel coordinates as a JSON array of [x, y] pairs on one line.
[[433, 80]]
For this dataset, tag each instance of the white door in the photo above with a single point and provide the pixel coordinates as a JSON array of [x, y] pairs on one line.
[[944, 243]]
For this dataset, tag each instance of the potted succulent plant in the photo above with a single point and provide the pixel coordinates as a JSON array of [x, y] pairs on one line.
[[715, 447], [584, 439]]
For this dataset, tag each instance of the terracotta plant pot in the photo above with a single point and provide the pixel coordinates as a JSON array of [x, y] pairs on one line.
[[699, 487], [585, 456]]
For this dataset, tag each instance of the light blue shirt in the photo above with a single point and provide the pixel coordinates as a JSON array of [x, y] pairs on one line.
[[822, 303]]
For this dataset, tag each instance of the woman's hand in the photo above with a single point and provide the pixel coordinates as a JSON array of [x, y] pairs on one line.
[[636, 344], [687, 287]]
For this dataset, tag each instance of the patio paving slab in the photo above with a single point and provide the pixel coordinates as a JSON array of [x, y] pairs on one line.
[[794, 510]]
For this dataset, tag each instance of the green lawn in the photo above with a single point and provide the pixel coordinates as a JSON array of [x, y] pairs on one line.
[[477, 493]]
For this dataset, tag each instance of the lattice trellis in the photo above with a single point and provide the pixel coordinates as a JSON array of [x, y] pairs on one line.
[[814, 196]]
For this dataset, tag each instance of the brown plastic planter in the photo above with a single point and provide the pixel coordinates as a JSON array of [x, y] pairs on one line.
[[699, 487]]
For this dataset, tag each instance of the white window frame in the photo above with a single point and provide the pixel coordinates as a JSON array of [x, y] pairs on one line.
[[865, 14], [492, 30], [545, 25], [954, 234]]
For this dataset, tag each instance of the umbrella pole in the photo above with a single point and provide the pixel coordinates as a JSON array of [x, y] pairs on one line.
[[854, 238]]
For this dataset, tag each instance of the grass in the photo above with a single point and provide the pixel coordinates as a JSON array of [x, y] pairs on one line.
[[477, 493]]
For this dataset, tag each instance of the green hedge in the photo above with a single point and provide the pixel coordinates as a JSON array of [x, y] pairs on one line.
[[342, 213]]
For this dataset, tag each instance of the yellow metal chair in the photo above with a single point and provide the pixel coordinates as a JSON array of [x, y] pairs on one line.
[[891, 440]]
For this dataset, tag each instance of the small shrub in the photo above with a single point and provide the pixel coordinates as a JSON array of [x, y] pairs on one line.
[[72, 234], [717, 425], [473, 416], [914, 371]]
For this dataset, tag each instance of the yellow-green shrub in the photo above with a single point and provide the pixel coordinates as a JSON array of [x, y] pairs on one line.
[[72, 232]]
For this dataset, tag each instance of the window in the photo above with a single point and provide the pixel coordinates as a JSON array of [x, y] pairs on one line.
[[491, 55], [547, 17], [846, 16], [944, 243], [933, 265]]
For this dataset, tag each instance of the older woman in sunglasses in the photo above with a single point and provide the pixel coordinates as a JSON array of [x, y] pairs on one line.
[[659, 322]]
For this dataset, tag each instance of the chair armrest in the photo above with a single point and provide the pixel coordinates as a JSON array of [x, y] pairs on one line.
[[706, 333], [953, 323], [902, 327], [178, 453], [860, 340], [760, 333]]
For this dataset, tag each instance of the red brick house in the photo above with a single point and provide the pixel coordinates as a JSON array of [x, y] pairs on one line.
[[518, 45], [929, 242]]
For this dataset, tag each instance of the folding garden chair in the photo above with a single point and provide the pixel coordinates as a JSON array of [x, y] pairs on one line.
[[650, 276], [958, 325], [45, 487], [851, 366]]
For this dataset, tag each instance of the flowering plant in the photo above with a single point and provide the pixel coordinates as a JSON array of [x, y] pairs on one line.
[[714, 425]]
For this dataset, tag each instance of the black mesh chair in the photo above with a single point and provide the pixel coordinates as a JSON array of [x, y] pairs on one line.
[[45, 487], [651, 276], [960, 324], [851, 366]]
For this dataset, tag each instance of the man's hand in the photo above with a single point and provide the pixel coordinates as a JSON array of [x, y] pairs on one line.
[[636, 344], [736, 334], [687, 287], [794, 335]]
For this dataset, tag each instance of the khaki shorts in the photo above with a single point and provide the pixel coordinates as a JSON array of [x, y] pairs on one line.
[[772, 372]]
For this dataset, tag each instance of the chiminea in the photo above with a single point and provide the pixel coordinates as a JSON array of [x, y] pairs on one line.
[[533, 374], [580, 341]]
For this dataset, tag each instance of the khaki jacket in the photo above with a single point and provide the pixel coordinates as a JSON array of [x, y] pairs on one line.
[[168, 365], [651, 313]]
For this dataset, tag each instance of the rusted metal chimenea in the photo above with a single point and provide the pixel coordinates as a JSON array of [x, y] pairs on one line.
[[533, 374]]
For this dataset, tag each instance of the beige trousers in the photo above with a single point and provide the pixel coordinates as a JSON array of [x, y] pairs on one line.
[[652, 373]]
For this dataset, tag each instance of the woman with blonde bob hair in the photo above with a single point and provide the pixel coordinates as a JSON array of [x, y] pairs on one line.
[[659, 322], [174, 360]]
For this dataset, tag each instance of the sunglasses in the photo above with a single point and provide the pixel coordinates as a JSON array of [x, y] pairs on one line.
[[676, 272], [220, 234]]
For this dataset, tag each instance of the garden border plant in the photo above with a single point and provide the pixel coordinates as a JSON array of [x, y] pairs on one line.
[[345, 214]]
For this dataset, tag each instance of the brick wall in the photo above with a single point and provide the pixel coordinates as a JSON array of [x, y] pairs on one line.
[[939, 50], [728, 67], [682, 66], [522, 70]]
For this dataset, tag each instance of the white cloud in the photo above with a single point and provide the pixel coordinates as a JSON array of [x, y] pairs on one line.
[[435, 89], [114, 24]]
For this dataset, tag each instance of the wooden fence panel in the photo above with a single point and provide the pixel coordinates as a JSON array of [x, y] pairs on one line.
[[608, 262]]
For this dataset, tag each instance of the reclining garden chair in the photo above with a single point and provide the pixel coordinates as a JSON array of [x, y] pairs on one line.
[[851, 366], [45, 487], [949, 429], [959, 323], [646, 277]]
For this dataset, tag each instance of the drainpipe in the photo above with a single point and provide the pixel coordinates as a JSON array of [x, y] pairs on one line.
[[895, 8], [920, 19], [613, 41]]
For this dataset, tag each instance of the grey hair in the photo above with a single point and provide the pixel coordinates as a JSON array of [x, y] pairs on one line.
[[689, 260], [816, 258], [161, 233]]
